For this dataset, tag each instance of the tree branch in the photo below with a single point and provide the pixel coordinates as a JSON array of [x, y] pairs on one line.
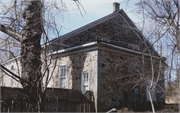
[[157, 15], [10, 32], [165, 30], [11, 76]]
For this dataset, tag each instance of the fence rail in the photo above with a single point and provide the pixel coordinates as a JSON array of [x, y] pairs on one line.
[[57, 100]]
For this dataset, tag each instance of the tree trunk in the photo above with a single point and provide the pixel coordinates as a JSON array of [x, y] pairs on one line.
[[31, 50]]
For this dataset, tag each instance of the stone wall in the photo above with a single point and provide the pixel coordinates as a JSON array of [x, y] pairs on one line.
[[118, 75]]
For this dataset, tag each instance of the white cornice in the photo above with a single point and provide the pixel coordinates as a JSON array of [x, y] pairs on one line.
[[75, 47]]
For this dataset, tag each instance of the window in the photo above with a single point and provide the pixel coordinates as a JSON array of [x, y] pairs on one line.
[[84, 82], [134, 47], [153, 93], [62, 77]]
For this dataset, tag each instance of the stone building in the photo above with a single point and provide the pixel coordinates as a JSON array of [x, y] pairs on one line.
[[106, 57]]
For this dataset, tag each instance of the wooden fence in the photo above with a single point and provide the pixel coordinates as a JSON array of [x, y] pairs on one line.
[[50, 107], [57, 100]]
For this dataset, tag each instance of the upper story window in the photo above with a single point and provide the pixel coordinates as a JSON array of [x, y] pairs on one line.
[[62, 76], [102, 39], [84, 82], [134, 47]]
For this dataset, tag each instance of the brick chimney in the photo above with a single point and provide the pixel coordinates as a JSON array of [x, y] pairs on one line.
[[116, 6]]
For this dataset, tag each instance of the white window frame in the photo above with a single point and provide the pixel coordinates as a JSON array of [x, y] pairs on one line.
[[62, 77], [84, 84], [153, 91]]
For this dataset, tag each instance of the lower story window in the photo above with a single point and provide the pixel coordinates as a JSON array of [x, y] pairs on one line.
[[84, 82], [62, 77]]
